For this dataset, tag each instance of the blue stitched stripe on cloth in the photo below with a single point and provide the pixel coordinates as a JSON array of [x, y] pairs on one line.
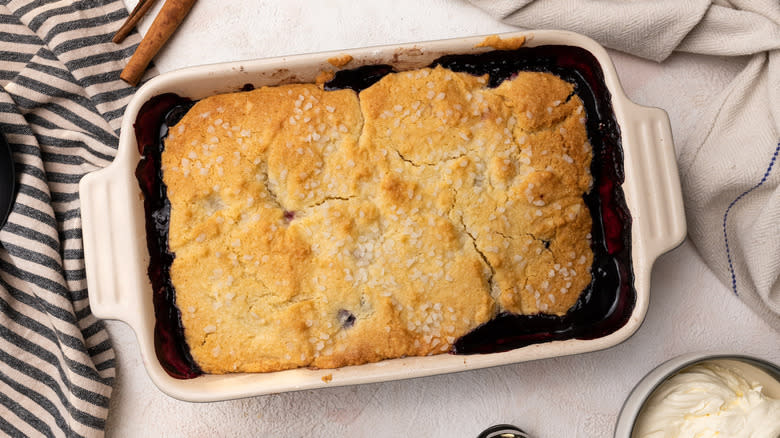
[[734, 202]]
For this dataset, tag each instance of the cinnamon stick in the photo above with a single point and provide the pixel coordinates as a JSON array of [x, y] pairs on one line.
[[163, 26], [139, 11]]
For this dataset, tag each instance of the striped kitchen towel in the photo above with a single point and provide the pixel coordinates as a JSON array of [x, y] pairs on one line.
[[61, 106]]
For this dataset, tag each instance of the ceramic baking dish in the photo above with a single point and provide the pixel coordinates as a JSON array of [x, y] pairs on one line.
[[115, 239]]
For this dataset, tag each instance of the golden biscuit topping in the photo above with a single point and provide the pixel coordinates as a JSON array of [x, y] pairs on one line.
[[326, 228]]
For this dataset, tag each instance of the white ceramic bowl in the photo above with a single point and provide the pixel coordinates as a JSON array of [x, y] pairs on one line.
[[753, 368], [115, 240]]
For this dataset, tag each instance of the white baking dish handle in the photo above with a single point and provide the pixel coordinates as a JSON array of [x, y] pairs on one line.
[[651, 170], [115, 259]]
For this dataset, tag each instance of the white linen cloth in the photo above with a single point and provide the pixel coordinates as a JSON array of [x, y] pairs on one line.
[[728, 164]]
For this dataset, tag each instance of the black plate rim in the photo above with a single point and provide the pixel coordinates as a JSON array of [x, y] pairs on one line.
[[7, 175]]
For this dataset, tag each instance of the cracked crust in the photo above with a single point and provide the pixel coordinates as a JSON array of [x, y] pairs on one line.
[[322, 228]]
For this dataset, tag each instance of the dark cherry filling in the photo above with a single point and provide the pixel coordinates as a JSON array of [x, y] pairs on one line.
[[604, 306], [358, 78], [150, 127], [346, 318]]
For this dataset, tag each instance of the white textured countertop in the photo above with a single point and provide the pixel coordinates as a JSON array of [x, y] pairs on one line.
[[575, 396]]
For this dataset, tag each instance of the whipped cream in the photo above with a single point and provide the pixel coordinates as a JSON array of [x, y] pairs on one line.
[[711, 399]]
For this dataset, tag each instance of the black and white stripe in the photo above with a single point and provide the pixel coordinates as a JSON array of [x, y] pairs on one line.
[[61, 105]]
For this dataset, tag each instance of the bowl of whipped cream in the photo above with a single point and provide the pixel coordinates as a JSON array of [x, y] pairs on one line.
[[705, 395]]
